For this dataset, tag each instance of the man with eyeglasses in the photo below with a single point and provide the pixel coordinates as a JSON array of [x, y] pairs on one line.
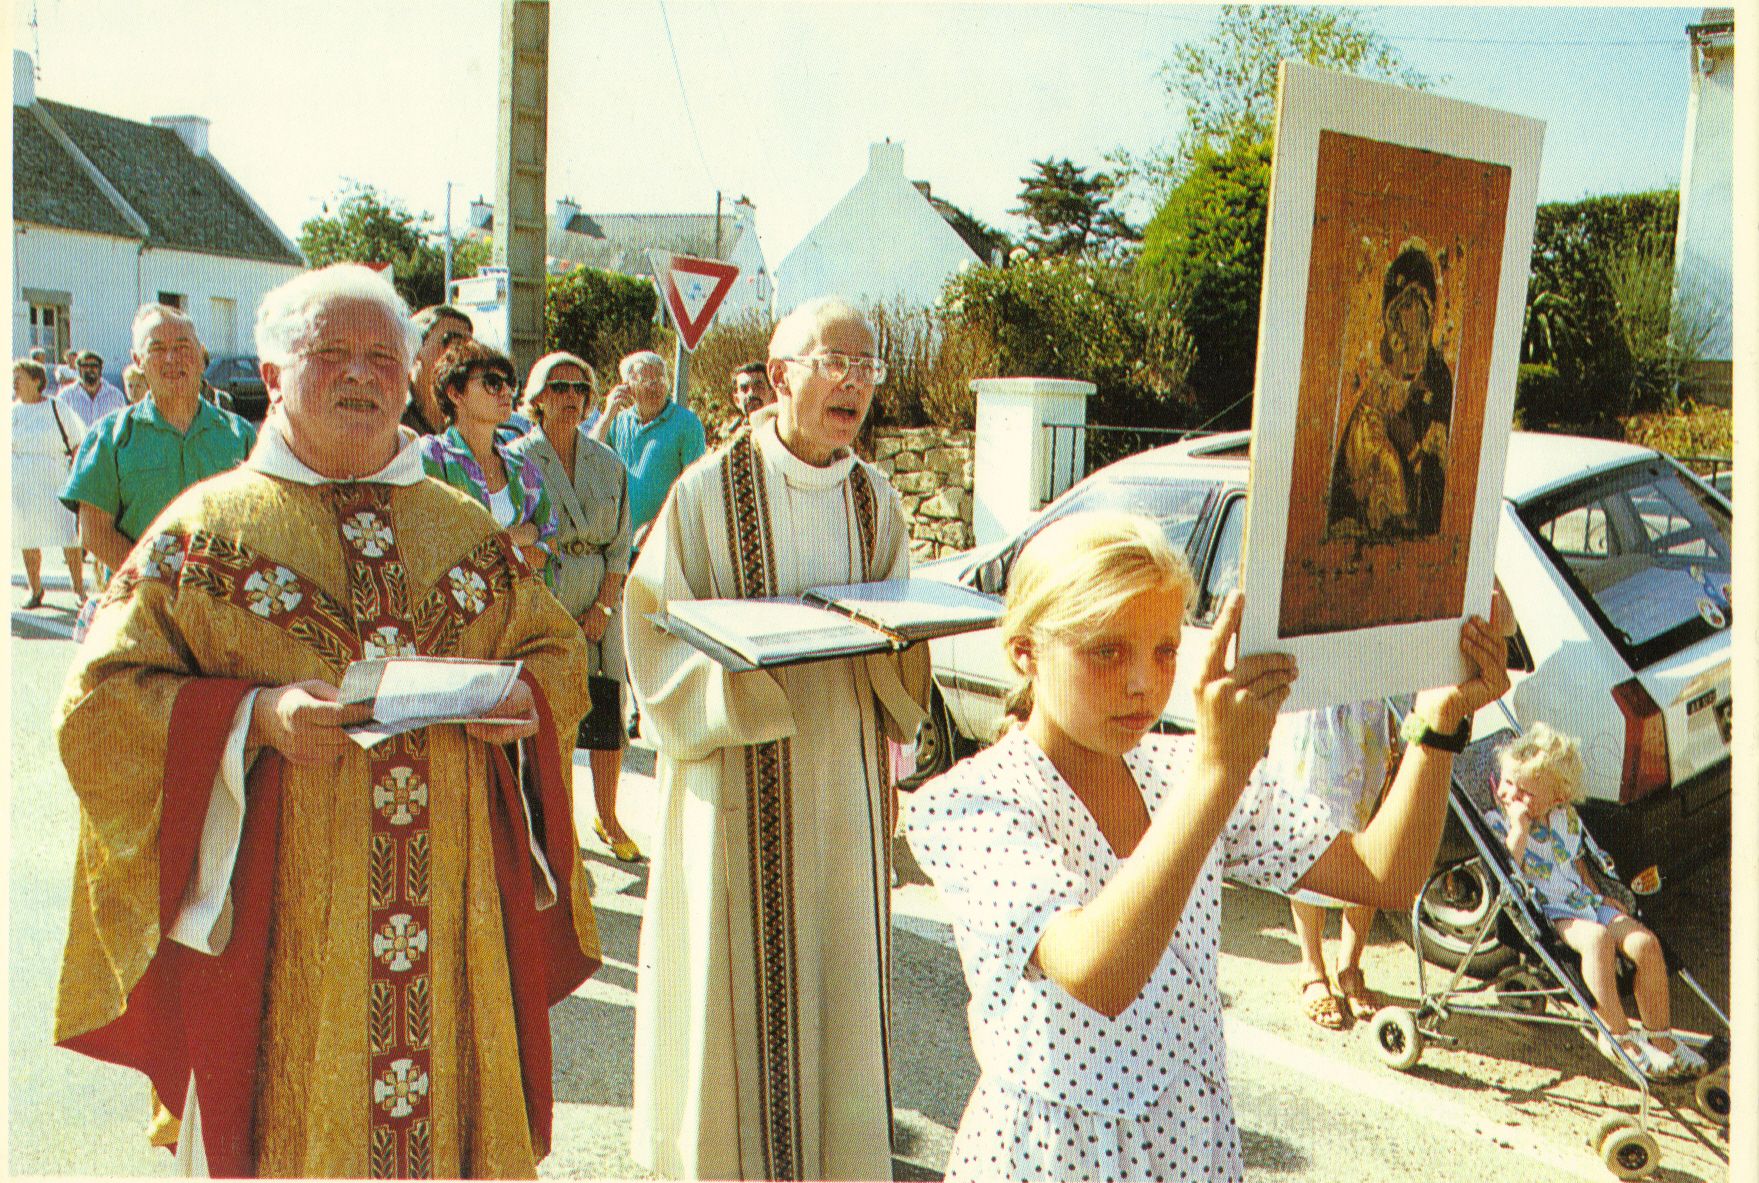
[[656, 437], [93, 396], [331, 960], [134, 462], [439, 326], [761, 1009]]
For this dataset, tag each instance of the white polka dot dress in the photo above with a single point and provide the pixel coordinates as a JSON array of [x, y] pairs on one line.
[[1066, 1093]]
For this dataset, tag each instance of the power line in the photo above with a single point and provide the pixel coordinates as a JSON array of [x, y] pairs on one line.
[[1174, 18], [684, 96]]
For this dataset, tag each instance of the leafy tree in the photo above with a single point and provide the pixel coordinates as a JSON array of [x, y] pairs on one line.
[[1226, 86], [359, 225], [600, 316], [1070, 212], [1071, 318], [1203, 260]]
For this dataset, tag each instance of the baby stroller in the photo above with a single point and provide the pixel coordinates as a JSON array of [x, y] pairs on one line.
[[1544, 984]]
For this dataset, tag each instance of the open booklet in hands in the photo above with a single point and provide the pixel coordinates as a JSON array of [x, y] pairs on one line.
[[821, 623], [403, 693]]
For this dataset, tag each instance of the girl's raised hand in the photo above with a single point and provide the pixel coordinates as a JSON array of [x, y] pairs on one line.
[[1237, 706]]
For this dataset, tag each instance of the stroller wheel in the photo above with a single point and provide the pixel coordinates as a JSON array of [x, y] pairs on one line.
[[1396, 1038], [1607, 1128], [1629, 1153], [1711, 1095], [1520, 989]]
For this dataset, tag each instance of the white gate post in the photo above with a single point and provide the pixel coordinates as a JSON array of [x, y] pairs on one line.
[[1015, 466]]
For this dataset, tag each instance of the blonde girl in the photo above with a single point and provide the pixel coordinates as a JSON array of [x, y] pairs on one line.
[[1080, 861], [1541, 779]]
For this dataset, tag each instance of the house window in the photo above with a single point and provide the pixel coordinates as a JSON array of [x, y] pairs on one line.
[[49, 328], [172, 300]]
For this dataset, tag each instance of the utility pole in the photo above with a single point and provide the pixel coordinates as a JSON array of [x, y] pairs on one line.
[[521, 235], [446, 292]]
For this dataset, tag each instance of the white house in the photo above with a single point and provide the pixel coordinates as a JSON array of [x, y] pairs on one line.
[[108, 214], [1704, 246], [621, 242], [883, 243]]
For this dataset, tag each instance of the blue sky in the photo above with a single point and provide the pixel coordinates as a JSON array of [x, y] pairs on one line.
[[780, 100]]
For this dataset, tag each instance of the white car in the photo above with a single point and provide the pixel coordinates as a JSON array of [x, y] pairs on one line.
[[1616, 563]]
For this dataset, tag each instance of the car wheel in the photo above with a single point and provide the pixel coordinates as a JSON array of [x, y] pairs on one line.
[[934, 745], [1455, 903]]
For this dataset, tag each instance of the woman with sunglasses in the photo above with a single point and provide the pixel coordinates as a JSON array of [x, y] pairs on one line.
[[589, 487], [474, 386]]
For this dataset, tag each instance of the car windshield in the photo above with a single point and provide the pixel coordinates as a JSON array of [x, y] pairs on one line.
[[1175, 504], [1648, 552]]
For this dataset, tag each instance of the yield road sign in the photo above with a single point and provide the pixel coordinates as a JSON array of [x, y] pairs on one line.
[[693, 290]]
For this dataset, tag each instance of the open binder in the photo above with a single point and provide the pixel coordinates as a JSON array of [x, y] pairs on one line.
[[823, 623]]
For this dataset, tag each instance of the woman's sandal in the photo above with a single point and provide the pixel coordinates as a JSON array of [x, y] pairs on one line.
[[1324, 1008], [1363, 1002]]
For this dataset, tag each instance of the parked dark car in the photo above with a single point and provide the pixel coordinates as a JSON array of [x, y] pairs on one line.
[[241, 378]]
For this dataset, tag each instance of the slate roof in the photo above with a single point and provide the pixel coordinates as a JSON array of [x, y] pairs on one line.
[[620, 242], [186, 202], [49, 188]]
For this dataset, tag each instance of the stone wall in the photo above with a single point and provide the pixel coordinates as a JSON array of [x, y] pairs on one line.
[[932, 468]]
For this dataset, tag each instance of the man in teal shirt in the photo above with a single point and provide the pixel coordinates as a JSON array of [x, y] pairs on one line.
[[136, 461], [656, 437]]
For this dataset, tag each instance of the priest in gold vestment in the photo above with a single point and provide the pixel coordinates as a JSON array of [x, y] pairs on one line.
[[328, 961], [762, 1007]]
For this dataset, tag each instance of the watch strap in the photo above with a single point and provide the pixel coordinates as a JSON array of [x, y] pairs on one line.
[[1417, 730]]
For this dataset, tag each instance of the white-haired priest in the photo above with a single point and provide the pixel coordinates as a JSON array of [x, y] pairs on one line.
[[329, 961], [762, 1002]]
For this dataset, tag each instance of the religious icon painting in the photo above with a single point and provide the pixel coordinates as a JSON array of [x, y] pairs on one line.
[[1395, 277]]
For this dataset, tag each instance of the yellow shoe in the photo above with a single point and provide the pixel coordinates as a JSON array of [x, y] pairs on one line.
[[625, 851]]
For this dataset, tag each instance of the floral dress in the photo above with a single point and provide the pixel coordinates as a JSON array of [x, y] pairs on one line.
[[1548, 864], [447, 457], [1066, 1093], [1339, 756]]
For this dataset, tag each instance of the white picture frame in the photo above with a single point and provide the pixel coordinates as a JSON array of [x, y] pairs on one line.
[[1362, 555]]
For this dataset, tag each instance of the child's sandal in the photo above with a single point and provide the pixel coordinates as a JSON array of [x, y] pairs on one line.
[[1364, 1003], [1324, 1008]]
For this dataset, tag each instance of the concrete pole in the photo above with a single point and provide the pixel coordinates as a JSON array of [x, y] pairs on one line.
[[521, 234]]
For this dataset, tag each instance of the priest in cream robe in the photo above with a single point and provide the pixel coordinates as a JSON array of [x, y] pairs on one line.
[[762, 1007], [328, 961]]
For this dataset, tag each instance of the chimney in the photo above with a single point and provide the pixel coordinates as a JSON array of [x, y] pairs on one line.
[[566, 211], [886, 158], [24, 79], [191, 129]]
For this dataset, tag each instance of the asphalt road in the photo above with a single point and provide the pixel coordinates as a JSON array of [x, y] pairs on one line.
[[1512, 1102]]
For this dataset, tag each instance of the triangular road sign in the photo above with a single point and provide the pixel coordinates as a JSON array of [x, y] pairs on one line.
[[693, 290]]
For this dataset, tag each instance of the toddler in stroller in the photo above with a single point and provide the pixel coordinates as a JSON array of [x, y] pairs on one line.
[[1540, 779]]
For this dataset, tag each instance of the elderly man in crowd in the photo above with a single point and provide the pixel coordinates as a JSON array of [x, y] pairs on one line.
[[133, 463], [656, 437], [330, 960], [761, 1014], [438, 327], [93, 396]]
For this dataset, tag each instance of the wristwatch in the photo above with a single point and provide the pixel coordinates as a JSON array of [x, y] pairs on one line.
[[1416, 729]]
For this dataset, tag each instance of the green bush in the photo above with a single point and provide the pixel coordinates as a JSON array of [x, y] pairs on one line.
[[1601, 311], [1203, 263], [602, 316], [1694, 431], [1072, 319]]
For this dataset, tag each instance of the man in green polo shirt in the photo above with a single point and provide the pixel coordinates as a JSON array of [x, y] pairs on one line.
[[137, 460], [656, 437]]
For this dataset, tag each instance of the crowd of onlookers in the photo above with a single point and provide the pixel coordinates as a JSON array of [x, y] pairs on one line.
[[575, 475]]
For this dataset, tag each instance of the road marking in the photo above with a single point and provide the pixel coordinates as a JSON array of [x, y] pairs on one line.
[[1395, 1092]]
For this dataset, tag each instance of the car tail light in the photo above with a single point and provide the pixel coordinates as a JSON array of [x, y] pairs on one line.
[[1645, 767]]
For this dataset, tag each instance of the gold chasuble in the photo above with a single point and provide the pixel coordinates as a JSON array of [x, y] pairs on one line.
[[397, 923], [763, 998]]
